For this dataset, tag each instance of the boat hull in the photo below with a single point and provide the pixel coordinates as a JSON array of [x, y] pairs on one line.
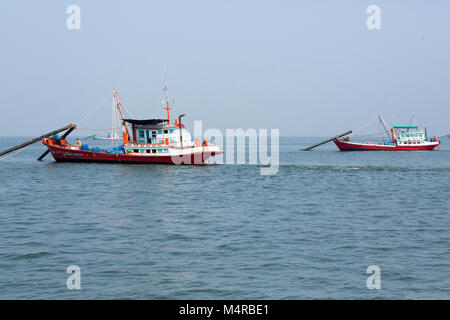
[[353, 146], [67, 154]]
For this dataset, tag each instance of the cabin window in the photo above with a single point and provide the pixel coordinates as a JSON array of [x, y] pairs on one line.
[[147, 151], [141, 133], [154, 151], [166, 131], [136, 150], [153, 134]]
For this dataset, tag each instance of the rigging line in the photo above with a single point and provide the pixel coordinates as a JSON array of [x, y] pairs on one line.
[[94, 110], [96, 129], [114, 129], [128, 112], [12, 154], [381, 133], [112, 121], [117, 136], [363, 127]]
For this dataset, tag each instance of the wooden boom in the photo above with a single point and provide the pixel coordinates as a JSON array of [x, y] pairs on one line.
[[63, 137], [20, 146], [328, 140]]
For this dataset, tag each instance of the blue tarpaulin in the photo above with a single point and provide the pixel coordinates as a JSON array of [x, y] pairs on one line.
[[115, 150]]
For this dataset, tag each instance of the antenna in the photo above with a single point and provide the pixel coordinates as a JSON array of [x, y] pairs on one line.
[[166, 89]]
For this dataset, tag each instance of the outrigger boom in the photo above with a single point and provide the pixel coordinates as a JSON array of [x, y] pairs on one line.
[[328, 140], [69, 128]]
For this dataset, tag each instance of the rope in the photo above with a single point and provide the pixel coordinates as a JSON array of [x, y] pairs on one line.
[[128, 112], [372, 135], [92, 111], [364, 126], [12, 154], [92, 129]]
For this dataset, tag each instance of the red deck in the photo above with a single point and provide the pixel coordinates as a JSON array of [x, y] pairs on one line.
[[353, 146], [67, 154]]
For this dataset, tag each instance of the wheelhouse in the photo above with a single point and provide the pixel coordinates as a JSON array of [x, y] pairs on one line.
[[156, 136], [407, 135]]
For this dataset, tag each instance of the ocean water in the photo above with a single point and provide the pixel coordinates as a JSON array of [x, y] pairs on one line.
[[225, 231]]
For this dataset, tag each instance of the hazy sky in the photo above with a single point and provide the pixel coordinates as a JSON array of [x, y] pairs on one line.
[[306, 67]]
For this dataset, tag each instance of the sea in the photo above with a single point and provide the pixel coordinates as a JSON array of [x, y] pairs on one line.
[[327, 225]]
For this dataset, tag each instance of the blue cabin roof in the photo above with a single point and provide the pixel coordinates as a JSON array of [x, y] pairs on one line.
[[406, 127]]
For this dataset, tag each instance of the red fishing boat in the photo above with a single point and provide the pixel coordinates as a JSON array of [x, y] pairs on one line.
[[157, 141], [401, 138]]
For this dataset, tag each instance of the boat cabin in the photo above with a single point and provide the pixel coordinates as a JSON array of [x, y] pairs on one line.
[[156, 136], [408, 135]]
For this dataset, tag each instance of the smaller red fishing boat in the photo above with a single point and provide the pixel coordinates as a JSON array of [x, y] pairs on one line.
[[402, 138]]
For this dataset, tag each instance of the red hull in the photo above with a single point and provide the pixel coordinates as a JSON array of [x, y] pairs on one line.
[[352, 146], [63, 154]]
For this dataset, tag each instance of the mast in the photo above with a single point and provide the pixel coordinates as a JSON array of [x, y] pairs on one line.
[[124, 124], [385, 126], [167, 107]]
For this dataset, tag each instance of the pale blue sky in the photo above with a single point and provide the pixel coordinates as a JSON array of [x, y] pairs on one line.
[[306, 67]]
